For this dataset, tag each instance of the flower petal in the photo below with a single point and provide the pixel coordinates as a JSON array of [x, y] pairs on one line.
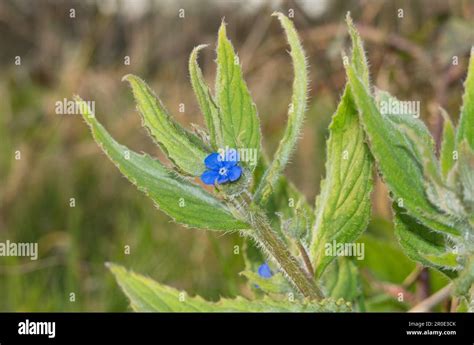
[[213, 161], [209, 177], [234, 173], [222, 179], [229, 164]]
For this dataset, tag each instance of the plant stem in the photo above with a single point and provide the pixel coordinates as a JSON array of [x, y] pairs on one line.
[[413, 276], [306, 259], [287, 262], [427, 304], [266, 238]]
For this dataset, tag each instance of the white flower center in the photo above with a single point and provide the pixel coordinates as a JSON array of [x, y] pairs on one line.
[[222, 171]]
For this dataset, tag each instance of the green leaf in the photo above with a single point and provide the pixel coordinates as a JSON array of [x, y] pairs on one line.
[[180, 146], [185, 202], [466, 123], [438, 192], [343, 207], [424, 245], [240, 123], [295, 114], [205, 100], [447, 146], [341, 279], [147, 295], [464, 284], [420, 143], [407, 122], [466, 175], [287, 203], [397, 163], [358, 53]]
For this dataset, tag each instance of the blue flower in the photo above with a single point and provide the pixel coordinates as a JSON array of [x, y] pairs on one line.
[[264, 271], [221, 168]]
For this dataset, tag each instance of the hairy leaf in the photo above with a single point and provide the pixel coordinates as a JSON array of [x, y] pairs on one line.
[[147, 295], [464, 285], [295, 114], [185, 202], [397, 163], [343, 207], [180, 146], [240, 123], [423, 245], [438, 192], [205, 100], [407, 122], [420, 143], [358, 57], [466, 123]]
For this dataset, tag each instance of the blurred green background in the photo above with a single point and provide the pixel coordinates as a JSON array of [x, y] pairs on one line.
[[60, 56]]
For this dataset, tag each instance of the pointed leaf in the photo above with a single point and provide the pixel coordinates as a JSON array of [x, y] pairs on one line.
[[358, 53], [343, 206], [295, 114], [205, 100], [398, 165], [180, 146], [147, 295], [184, 202], [240, 123]]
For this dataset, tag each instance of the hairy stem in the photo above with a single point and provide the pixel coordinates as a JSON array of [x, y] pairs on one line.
[[265, 237], [267, 240]]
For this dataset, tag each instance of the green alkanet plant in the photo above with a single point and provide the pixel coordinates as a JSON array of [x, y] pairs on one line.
[[433, 200]]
